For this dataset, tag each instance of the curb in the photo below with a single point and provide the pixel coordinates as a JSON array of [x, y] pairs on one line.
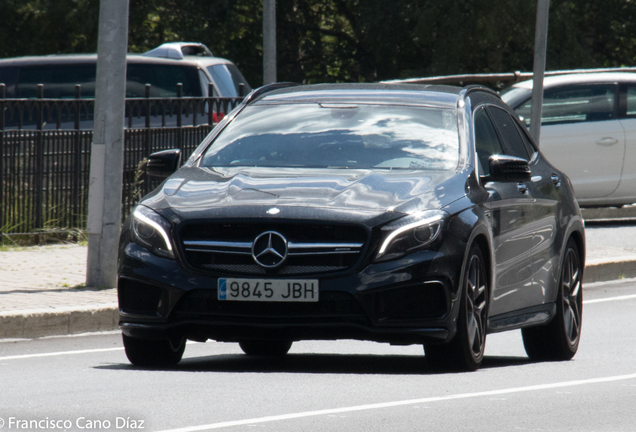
[[609, 213], [36, 323], [609, 270]]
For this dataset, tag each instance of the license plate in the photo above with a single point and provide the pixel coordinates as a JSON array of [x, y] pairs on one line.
[[273, 290]]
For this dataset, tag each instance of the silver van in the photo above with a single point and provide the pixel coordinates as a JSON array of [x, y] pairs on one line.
[[191, 64]]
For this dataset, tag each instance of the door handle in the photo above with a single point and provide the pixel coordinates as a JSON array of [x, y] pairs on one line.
[[522, 188], [556, 180], [607, 141]]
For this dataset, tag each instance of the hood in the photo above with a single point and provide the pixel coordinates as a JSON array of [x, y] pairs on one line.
[[204, 192]]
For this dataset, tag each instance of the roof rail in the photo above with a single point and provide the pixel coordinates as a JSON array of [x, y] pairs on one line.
[[471, 87], [463, 94], [266, 89], [178, 50]]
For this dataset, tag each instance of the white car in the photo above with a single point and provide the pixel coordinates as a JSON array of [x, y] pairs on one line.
[[588, 130]]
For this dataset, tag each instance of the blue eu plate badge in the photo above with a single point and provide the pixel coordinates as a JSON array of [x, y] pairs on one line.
[[222, 289]]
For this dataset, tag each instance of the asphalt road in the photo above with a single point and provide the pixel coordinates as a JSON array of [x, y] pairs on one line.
[[86, 383]]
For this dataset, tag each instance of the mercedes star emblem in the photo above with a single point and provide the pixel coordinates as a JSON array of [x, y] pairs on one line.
[[269, 249]]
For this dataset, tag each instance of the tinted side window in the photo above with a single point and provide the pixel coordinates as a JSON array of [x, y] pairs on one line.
[[59, 80], [572, 104], [7, 77], [631, 101], [513, 144], [163, 79], [486, 139], [525, 137]]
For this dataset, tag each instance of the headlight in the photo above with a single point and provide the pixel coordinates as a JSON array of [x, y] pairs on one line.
[[151, 231], [410, 233]]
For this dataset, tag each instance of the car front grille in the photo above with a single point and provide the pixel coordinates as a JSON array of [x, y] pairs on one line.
[[311, 248]]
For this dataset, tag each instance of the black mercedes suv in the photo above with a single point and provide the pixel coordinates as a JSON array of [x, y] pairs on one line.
[[405, 214]]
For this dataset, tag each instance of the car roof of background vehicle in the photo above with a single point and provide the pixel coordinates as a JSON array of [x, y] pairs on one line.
[[583, 78], [62, 59], [191, 53], [179, 50], [194, 52], [410, 94]]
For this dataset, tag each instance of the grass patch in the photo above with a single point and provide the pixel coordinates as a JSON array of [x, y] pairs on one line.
[[11, 248], [43, 238]]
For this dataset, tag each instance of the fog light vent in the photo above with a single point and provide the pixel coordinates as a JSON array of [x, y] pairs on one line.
[[140, 298], [419, 301]]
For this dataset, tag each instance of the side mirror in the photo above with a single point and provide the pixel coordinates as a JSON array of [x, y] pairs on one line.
[[508, 168], [163, 163]]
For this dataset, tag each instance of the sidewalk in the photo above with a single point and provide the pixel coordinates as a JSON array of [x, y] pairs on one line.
[[42, 293], [42, 289], [611, 253]]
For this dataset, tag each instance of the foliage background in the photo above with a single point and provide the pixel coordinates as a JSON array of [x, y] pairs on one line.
[[345, 40]]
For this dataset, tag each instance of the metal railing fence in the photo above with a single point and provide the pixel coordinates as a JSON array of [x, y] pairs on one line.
[[45, 147]]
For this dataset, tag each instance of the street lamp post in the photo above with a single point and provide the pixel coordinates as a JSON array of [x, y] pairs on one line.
[[107, 149], [269, 41], [540, 46]]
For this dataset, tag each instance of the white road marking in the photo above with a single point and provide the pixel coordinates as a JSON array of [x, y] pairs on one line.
[[608, 299], [61, 353], [333, 411]]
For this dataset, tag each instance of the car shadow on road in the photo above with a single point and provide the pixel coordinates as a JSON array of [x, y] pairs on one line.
[[319, 364]]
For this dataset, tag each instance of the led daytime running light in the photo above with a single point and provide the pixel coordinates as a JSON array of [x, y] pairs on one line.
[[428, 221], [156, 226]]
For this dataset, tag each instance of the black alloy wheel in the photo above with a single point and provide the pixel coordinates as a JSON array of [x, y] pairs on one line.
[[153, 352], [466, 350], [559, 340], [271, 348]]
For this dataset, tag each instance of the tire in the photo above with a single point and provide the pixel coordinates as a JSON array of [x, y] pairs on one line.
[[559, 340], [153, 352], [466, 350], [265, 348]]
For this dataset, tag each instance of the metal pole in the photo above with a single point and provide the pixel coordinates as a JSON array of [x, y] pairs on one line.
[[269, 41], [540, 45], [38, 175], [107, 155], [3, 94]]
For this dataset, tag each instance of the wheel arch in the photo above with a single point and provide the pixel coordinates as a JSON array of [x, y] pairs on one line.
[[576, 232], [579, 239], [481, 237], [473, 224], [482, 241]]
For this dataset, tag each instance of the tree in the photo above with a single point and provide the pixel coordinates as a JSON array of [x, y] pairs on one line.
[[345, 40]]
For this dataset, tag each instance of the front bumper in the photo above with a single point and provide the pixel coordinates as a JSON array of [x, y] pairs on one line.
[[407, 301]]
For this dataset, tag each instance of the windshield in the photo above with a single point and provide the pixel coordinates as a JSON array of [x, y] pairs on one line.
[[323, 135], [227, 78], [513, 96]]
